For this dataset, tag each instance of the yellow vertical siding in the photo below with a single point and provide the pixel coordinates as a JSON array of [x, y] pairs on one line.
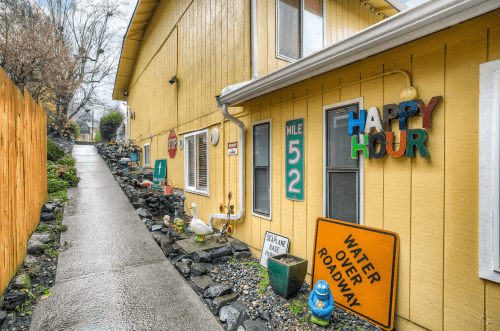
[[427, 202], [461, 198], [426, 284]]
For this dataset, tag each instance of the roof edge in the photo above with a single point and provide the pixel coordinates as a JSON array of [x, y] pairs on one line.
[[123, 46], [402, 28]]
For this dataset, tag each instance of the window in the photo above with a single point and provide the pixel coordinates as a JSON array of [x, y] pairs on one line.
[[300, 28], [342, 175], [261, 169], [489, 168], [147, 155], [196, 162]]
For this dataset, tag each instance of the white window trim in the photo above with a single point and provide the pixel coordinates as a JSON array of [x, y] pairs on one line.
[[282, 57], [144, 148], [489, 162], [191, 189], [270, 121], [359, 101]]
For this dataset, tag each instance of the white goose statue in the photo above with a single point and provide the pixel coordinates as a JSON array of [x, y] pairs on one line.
[[198, 226]]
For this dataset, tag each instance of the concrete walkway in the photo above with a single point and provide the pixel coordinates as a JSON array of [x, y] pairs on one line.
[[113, 276]]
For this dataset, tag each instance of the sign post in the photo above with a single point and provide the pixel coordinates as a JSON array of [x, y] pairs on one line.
[[360, 265], [274, 244], [159, 174], [294, 149]]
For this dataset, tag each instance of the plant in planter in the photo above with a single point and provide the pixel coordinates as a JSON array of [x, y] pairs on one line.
[[286, 274]]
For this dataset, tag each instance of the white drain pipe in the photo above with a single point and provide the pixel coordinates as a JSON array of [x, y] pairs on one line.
[[225, 112], [241, 193]]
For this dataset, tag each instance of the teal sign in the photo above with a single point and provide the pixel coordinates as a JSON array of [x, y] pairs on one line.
[[159, 174], [294, 147]]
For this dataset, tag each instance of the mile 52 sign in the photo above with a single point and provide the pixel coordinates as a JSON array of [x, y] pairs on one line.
[[294, 149]]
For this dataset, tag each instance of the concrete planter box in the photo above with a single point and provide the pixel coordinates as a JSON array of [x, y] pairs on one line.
[[286, 279]]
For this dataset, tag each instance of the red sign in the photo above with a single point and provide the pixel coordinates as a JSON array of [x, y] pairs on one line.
[[172, 144]]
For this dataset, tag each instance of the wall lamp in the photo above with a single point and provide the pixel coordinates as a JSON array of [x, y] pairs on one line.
[[172, 80]]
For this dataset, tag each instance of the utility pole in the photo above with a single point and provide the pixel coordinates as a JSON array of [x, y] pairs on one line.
[[92, 134]]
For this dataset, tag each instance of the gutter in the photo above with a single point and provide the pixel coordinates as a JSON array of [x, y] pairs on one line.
[[399, 29], [225, 111]]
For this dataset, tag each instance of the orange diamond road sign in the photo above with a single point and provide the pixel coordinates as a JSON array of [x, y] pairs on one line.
[[360, 265]]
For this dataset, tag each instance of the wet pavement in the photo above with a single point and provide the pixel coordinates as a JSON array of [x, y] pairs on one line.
[[113, 276]]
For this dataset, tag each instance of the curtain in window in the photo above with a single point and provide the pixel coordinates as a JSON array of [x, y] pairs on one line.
[[313, 26], [289, 28], [202, 162], [191, 161]]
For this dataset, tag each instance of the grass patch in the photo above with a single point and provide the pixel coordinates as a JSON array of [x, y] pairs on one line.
[[264, 276]]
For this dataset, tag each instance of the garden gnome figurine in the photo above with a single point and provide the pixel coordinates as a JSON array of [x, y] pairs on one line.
[[321, 303]]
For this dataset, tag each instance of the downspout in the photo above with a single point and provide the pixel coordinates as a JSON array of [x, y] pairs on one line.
[[240, 124], [241, 194]]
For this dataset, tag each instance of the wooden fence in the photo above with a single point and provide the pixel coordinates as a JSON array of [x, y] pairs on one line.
[[23, 174]]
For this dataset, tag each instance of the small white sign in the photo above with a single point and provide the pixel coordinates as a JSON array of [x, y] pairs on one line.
[[232, 148], [274, 244]]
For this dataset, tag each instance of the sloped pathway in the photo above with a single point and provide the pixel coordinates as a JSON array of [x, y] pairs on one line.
[[113, 276]]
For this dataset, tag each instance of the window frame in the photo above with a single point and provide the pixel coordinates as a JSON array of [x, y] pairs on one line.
[[194, 189], [361, 161], [301, 15], [489, 172], [144, 148], [254, 213]]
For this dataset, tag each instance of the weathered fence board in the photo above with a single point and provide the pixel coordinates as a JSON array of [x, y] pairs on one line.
[[23, 174]]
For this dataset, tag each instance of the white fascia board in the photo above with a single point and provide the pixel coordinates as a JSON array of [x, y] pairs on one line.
[[397, 30]]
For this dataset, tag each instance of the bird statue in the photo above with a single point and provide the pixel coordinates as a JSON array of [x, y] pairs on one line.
[[198, 226]]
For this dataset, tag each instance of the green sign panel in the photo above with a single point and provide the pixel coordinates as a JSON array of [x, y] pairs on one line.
[[159, 174], [294, 150]]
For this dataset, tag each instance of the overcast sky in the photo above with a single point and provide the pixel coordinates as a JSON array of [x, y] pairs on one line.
[[414, 3]]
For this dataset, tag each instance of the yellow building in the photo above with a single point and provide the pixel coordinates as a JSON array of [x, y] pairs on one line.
[[444, 208]]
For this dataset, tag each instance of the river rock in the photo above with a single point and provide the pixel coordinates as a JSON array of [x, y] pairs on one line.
[[201, 256], [21, 281], [223, 251], [44, 238], [201, 283], [3, 316], [219, 302], [183, 269], [13, 299], [143, 213], [46, 217], [255, 325], [234, 315], [198, 269], [239, 246], [216, 291], [35, 247], [242, 255]]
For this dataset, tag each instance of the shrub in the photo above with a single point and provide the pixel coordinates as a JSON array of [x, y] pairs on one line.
[[61, 174], [73, 128], [109, 124], [54, 152], [67, 160], [98, 137]]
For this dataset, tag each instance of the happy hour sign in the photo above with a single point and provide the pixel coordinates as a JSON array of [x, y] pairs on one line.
[[274, 244]]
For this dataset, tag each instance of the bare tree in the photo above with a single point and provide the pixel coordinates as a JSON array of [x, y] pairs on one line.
[[89, 29], [33, 54]]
